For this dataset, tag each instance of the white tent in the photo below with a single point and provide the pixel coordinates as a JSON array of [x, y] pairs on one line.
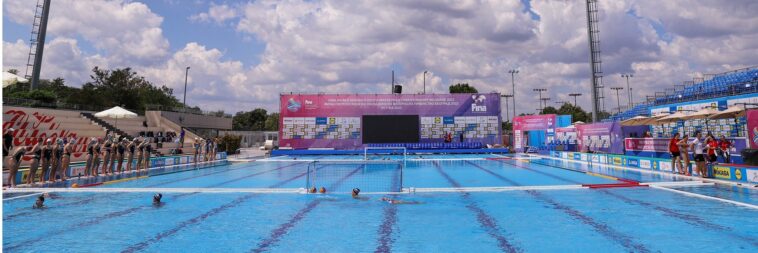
[[116, 113], [10, 78]]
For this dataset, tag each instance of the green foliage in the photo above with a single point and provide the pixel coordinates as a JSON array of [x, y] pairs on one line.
[[230, 143], [549, 110], [462, 88], [272, 122], [507, 125], [107, 88]]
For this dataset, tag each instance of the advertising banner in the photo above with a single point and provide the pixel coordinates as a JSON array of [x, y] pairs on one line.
[[335, 120], [523, 124], [604, 137], [752, 126], [647, 144]]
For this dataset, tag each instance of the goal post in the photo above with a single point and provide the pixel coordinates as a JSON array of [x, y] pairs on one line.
[[343, 176]]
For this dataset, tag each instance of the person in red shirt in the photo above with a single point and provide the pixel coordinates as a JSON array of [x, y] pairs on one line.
[[676, 156], [712, 146], [723, 150]]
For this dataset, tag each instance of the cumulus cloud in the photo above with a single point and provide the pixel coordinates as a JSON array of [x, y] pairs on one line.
[[216, 13], [352, 46]]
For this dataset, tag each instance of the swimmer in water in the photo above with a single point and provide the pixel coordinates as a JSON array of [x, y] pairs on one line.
[[312, 190], [157, 199], [322, 190], [355, 193], [40, 203], [397, 202]]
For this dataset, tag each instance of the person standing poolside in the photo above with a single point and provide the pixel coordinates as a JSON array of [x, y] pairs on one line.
[[55, 161], [148, 149], [723, 150], [181, 138], [90, 157], [684, 148], [36, 158], [47, 159], [98, 154], [698, 155], [712, 145], [676, 156], [120, 151], [68, 149], [140, 148], [107, 151], [7, 145], [196, 146], [14, 162], [130, 156]]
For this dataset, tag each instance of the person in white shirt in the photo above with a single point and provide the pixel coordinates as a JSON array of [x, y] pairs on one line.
[[698, 155]]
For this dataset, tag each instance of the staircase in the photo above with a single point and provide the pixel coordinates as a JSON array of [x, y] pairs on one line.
[[106, 125]]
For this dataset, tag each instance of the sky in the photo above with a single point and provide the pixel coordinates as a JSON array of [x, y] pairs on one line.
[[243, 54]]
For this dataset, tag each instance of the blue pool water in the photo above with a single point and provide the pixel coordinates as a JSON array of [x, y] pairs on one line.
[[636, 219]]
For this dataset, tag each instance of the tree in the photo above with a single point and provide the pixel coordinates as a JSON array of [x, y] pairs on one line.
[[13, 71], [272, 122], [549, 110], [462, 88], [254, 120], [124, 87]]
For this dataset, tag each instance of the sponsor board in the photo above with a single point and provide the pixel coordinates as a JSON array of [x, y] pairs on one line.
[[169, 161], [595, 158], [584, 157], [564, 155], [633, 162], [617, 160], [722, 172], [76, 170], [577, 156], [645, 164], [664, 166], [603, 159], [752, 176]]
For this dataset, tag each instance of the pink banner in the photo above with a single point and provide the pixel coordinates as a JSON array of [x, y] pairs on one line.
[[752, 126], [522, 124], [647, 144]]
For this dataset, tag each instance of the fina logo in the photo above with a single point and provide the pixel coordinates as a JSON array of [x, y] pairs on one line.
[[478, 104], [293, 105]]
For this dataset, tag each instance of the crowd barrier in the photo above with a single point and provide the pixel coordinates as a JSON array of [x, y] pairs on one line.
[[731, 172], [77, 169]]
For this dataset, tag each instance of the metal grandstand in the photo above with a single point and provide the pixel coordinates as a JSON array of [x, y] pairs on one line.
[[731, 83]]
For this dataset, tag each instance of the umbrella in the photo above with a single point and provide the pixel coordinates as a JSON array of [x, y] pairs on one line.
[[729, 113], [671, 118], [636, 121], [116, 113], [10, 78], [702, 114], [578, 122]]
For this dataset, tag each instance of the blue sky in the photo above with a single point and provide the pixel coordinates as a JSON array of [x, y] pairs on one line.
[[244, 53]]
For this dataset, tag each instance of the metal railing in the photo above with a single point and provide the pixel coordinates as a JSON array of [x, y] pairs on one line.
[[187, 110]]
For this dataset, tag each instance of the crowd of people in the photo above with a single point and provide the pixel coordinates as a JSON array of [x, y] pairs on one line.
[[110, 155], [704, 151]]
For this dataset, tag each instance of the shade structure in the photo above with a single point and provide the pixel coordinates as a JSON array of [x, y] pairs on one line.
[[116, 113], [677, 116], [10, 78], [729, 113], [636, 121], [578, 122], [702, 114]]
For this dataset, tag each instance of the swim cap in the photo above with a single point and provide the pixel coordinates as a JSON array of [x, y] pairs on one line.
[[356, 190], [158, 196], [75, 185]]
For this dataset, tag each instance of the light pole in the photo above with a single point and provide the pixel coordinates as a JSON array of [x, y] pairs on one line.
[[540, 90], [618, 102], [425, 81], [575, 95], [513, 73], [544, 100], [627, 76], [186, 73]]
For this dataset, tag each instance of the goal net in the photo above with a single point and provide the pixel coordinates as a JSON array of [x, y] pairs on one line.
[[385, 153], [343, 176]]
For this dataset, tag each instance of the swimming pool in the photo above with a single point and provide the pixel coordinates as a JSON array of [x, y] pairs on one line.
[[508, 206]]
